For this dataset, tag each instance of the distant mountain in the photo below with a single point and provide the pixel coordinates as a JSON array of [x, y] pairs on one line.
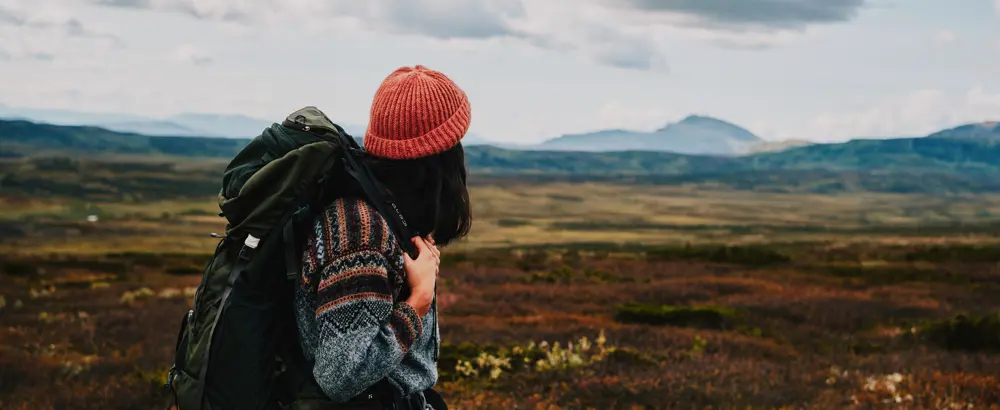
[[28, 138], [181, 125], [931, 164], [237, 126], [469, 140], [932, 153], [67, 117], [155, 127], [989, 130], [472, 140], [927, 154], [692, 135]]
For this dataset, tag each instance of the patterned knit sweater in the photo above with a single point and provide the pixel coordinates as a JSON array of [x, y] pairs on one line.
[[351, 322]]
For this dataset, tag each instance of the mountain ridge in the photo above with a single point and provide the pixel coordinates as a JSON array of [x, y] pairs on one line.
[[694, 134], [927, 164], [957, 151]]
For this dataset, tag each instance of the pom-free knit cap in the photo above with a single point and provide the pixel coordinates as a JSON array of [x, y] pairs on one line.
[[416, 112]]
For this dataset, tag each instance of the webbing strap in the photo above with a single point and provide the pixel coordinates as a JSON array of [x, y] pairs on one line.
[[381, 202]]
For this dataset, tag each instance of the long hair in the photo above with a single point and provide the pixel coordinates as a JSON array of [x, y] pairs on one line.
[[430, 192]]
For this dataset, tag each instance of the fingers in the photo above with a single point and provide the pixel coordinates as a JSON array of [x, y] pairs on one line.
[[421, 245], [431, 244]]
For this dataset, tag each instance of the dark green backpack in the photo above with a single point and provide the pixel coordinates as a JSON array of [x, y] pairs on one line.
[[229, 349]]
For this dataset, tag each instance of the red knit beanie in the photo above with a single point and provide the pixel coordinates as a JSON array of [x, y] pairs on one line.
[[416, 112]]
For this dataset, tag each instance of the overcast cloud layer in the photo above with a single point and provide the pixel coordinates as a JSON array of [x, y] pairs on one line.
[[632, 37], [810, 69]]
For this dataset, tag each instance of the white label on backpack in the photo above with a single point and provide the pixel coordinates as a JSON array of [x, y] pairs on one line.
[[251, 241]]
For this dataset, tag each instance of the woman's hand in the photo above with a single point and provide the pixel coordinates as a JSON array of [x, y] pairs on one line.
[[421, 273]]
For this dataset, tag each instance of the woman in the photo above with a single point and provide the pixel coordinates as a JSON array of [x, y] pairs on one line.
[[371, 339]]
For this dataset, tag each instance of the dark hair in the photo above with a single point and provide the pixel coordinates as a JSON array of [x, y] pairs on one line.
[[430, 192]]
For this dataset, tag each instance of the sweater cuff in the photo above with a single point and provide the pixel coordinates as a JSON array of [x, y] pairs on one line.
[[406, 324]]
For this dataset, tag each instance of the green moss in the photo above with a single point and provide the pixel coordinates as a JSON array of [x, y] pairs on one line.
[[19, 268], [705, 317], [963, 332], [513, 223], [955, 253], [184, 270], [741, 255]]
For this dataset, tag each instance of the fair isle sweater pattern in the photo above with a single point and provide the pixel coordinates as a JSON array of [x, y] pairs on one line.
[[351, 324]]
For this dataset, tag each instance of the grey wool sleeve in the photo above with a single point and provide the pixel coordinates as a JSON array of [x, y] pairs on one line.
[[362, 334], [350, 324]]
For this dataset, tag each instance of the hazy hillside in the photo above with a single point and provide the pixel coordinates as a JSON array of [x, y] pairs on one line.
[[775, 146], [917, 154], [693, 135], [930, 165], [181, 125], [983, 131], [925, 154], [239, 126], [23, 137], [154, 127]]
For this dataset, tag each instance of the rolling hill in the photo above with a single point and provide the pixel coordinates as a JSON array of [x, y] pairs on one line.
[[180, 125], [968, 147], [963, 159], [989, 130]]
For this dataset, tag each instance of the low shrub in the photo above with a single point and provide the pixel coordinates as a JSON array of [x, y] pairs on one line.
[[184, 270], [962, 332], [512, 223], [955, 253], [566, 275], [741, 255], [19, 269], [705, 317]]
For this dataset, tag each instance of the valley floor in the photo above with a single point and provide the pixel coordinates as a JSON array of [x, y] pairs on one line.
[[658, 297]]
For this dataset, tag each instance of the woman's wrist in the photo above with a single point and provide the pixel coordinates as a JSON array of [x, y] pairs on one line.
[[420, 300]]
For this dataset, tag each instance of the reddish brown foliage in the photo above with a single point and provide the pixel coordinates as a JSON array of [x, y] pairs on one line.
[[83, 348]]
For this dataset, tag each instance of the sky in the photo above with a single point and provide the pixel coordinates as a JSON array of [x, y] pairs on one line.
[[819, 70]]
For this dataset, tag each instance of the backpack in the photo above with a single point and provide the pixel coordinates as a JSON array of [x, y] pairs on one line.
[[229, 348]]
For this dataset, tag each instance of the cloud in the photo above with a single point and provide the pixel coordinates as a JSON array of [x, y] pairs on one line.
[[437, 18], [916, 113], [225, 10], [11, 17], [782, 14], [945, 37], [34, 32], [433, 18], [190, 54], [631, 34]]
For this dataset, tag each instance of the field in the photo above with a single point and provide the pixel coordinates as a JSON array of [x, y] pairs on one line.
[[566, 295]]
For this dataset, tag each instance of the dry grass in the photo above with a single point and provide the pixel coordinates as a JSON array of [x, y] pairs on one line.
[[515, 214]]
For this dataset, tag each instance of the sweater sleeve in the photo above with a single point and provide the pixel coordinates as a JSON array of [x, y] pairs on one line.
[[363, 335]]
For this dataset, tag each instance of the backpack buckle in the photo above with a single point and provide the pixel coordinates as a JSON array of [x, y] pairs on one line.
[[251, 241]]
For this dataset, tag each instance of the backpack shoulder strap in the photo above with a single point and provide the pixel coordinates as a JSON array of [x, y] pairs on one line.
[[376, 195]]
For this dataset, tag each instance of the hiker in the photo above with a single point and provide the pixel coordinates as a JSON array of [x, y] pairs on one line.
[[321, 293], [369, 339]]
